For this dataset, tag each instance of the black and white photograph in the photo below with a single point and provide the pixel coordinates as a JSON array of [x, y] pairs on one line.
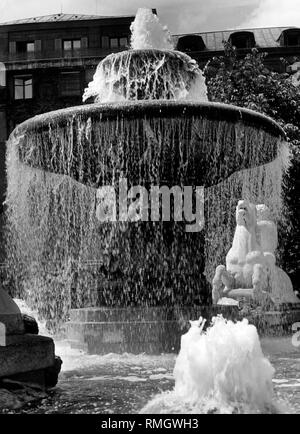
[[149, 212]]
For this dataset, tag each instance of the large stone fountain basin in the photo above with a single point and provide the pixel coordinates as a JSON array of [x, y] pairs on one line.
[[185, 141], [57, 160]]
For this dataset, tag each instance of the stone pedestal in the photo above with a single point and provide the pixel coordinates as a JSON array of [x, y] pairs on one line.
[[29, 359], [159, 330], [13, 323], [26, 353], [275, 322], [153, 330], [25, 358]]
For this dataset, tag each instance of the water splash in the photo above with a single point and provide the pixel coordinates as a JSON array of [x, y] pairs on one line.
[[222, 370], [59, 254], [150, 70], [147, 75], [148, 33]]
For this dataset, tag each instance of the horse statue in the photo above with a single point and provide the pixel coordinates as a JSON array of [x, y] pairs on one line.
[[251, 272]]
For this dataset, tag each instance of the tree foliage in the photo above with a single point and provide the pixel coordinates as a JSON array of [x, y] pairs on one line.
[[247, 82]]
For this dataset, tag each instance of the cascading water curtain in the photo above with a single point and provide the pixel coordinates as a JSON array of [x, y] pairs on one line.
[[60, 255]]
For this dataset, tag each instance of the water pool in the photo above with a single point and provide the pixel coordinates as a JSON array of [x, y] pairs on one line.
[[113, 384]]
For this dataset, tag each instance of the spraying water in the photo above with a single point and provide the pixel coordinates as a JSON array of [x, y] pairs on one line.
[[147, 75], [222, 370], [150, 70], [60, 256], [148, 33]]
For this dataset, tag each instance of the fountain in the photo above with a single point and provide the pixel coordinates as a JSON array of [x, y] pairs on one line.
[[222, 370], [132, 284]]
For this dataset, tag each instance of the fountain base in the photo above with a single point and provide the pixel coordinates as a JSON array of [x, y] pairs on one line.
[[13, 323], [28, 363], [158, 330], [26, 357], [152, 330], [29, 359], [28, 368]]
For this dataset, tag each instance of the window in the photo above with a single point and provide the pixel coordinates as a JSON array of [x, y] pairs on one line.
[[190, 43], [242, 40], [23, 87], [291, 38], [30, 47], [72, 44], [114, 43], [123, 42], [25, 47], [70, 83], [118, 42], [89, 75], [2, 75]]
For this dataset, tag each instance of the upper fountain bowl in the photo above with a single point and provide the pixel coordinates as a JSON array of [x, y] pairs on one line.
[[149, 74]]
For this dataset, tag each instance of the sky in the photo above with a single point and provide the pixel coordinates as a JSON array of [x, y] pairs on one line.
[[181, 16]]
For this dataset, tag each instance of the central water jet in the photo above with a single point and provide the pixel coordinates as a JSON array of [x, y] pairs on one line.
[[222, 370]]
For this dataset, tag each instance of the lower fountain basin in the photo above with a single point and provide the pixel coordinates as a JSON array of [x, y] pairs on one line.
[[158, 330]]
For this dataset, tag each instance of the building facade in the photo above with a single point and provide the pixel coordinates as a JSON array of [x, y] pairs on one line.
[[46, 62], [278, 42]]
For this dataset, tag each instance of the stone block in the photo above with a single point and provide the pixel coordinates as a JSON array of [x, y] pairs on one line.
[[152, 330], [25, 353], [158, 330], [134, 337], [13, 323]]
